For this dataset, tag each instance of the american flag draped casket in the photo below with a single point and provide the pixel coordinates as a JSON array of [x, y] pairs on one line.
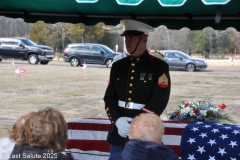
[[190, 141]]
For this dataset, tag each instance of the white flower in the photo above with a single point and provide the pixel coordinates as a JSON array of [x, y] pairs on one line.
[[214, 109], [186, 110], [203, 112], [192, 114]]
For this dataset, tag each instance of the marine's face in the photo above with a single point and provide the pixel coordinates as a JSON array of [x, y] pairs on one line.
[[131, 42]]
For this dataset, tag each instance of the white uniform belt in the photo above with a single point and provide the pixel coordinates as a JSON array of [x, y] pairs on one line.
[[130, 105]]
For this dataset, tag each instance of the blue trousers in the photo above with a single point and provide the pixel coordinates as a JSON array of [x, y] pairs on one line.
[[114, 149]]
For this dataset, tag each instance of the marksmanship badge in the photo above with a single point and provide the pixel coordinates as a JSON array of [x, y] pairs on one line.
[[163, 81]]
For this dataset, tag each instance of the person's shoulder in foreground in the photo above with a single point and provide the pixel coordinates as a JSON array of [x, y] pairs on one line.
[[44, 134], [7, 143], [145, 143]]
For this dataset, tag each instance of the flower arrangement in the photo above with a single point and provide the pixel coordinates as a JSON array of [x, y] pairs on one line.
[[203, 110]]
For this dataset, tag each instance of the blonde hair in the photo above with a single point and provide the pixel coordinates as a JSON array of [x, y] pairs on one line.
[[47, 129], [16, 129], [147, 127]]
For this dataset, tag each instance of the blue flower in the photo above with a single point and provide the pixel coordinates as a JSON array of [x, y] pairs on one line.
[[184, 115], [199, 117]]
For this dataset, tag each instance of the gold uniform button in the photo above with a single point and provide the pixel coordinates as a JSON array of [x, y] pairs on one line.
[[129, 99], [133, 64], [138, 59], [110, 117], [109, 114], [130, 84], [130, 92], [133, 71], [132, 78], [118, 79], [144, 81]]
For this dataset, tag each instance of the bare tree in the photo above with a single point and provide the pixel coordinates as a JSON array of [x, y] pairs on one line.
[[61, 30]]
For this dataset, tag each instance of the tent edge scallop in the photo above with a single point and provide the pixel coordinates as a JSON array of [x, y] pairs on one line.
[[86, 1], [215, 2], [175, 3], [132, 2]]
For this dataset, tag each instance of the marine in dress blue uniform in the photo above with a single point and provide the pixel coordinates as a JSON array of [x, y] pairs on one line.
[[138, 83]]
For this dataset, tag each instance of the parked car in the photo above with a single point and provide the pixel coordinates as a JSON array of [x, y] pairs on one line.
[[25, 49], [89, 53], [180, 60], [121, 55]]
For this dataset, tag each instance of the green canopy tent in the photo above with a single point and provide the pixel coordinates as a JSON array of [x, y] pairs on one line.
[[175, 14]]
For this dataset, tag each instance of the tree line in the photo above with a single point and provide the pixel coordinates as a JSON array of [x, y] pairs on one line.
[[207, 42]]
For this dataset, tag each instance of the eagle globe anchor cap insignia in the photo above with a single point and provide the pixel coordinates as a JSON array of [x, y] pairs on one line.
[[125, 22]]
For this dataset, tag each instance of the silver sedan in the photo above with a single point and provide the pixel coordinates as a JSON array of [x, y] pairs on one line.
[[180, 60]]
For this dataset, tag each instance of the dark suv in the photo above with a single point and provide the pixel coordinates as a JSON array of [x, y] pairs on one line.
[[25, 49], [89, 53]]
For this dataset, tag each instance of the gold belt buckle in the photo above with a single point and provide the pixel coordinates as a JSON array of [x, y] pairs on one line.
[[129, 105]]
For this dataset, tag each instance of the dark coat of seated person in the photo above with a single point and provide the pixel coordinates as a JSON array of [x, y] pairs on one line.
[[43, 137], [145, 142]]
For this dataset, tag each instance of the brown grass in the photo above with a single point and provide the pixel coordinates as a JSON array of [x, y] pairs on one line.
[[80, 95]]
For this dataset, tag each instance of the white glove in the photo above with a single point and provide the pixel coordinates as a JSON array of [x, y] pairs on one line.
[[123, 126]]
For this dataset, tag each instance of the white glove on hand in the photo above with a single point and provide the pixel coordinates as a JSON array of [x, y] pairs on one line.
[[123, 126]]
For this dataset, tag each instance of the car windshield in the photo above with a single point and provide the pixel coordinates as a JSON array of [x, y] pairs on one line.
[[28, 42], [107, 49]]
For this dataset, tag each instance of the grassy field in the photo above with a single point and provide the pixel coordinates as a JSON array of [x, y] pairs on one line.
[[80, 95]]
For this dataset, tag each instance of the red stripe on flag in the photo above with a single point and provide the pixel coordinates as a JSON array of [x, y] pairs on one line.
[[177, 122], [88, 126], [174, 131], [87, 145]]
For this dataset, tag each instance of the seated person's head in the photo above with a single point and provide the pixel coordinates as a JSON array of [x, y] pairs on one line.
[[46, 129], [16, 129], [147, 127]]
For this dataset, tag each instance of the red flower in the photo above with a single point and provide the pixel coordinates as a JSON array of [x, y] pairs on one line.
[[186, 104], [222, 106], [196, 111], [177, 113]]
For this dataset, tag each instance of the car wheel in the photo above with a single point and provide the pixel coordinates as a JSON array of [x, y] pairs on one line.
[[190, 67], [74, 62], [33, 59], [44, 62], [109, 63]]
